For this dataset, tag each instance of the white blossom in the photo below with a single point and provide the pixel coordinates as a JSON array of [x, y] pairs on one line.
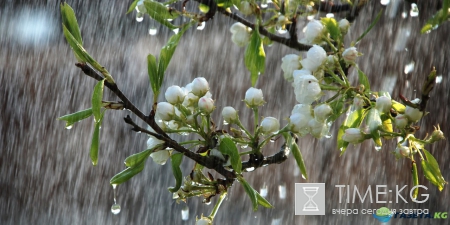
[[318, 128], [200, 86], [229, 114], [306, 89], [322, 112], [290, 63], [350, 54], [344, 25], [413, 114], [161, 156], [299, 123], [175, 95], [165, 111], [353, 135], [269, 125], [254, 97], [383, 104], [401, 121], [241, 34], [315, 57], [246, 8], [314, 30], [206, 105]]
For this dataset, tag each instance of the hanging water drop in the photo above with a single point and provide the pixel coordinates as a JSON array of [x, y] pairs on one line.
[[263, 190], [225, 122], [438, 79], [115, 209], [378, 148], [185, 213], [385, 2], [409, 67], [404, 15], [139, 17], [414, 10], [69, 127], [282, 191], [176, 30], [250, 169], [152, 31], [330, 15], [202, 26]]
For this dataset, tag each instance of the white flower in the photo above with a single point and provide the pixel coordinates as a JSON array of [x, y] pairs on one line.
[[374, 120], [229, 114], [350, 54], [306, 89], [190, 100], [161, 156], [290, 63], [313, 31], [318, 129], [383, 104], [353, 135], [322, 112], [165, 111], [298, 73], [299, 123], [200, 86], [344, 25], [401, 121], [413, 114], [245, 8], [175, 95], [358, 102], [315, 57], [206, 105], [241, 34], [402, 150], [304, 109], [153, 142], [254, 97], [269, 125]]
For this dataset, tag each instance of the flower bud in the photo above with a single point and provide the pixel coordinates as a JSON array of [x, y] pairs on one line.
[[322, 112], [175, 95], [402, 150], [206, 105], [203, 221], [374, 120], [306, 88], [200, 86], [161, 156], [358, 102], [413, 114], [229, 114], [152, 141], [315, 57], [290, 63], [245, 8], [241, 34], [190, 100], [350, 54], [313, 31], [318, 129], [401, 121], [304, 109], [269, 125], [299, 124], [383, 104], [437, 135], [344, 25], [254, 97], [165, 111], [353, 135]]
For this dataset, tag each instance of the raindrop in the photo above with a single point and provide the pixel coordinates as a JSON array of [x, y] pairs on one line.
[[263, 190], [69, 127], [202, 26], [414, 10], [184, 133], [185, 213], [282, 31], [152, 31], [208, 203], [139, 17], [404, 15], [303, 176], [272, 140], [438, 79], [309, 18], [296, 171], [115, 209], [409, 67], [225, 122], [176, 30], [330, 15], [282, 191], [170, 20], [385, 2], [244, 146], [250, 169], [378, 148], [277, 221]]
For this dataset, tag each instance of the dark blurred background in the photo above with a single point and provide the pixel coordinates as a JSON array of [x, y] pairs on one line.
[[46, 176]]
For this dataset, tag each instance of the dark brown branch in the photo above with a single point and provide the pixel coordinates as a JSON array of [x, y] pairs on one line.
[[290, 42], [277, 158]]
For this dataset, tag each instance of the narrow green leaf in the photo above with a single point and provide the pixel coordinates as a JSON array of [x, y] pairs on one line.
[[127, 174], [262, 201], [137, 158], [224, 3], [432, 171], [332, 27], [95, 144], [299, 159], [70, 22], [437, 19], [255, 57], [176, 162], [370, 26], [75, 117], [354, 120], [97, 98], [364, 81], [415, 179], [228, 147], [132, 6], [160, 13], [250, 192], [153, 74]]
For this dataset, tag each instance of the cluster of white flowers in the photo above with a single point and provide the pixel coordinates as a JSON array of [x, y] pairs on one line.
[[241, 34], [305, 120]]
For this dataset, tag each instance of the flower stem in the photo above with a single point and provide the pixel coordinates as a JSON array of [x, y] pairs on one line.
[[218, 203]]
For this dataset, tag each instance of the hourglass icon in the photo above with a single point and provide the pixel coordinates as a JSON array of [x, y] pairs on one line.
[[310, 204]]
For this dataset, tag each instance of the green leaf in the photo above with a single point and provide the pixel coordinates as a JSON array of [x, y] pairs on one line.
[[176, 162], [160, 13], [153, 74], [432, 172], [354, 120], [127, 174], [224, 3], [299, 159], [437, 19], [338, 108], [250, 191], [70, 22], [262, 201], [137, 158], [255, 57], [415, 179], [370, 26], [132, 6], [95, 144], [228, 147], [332, 27], [364, 81], [75, 117], [97, 98]]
